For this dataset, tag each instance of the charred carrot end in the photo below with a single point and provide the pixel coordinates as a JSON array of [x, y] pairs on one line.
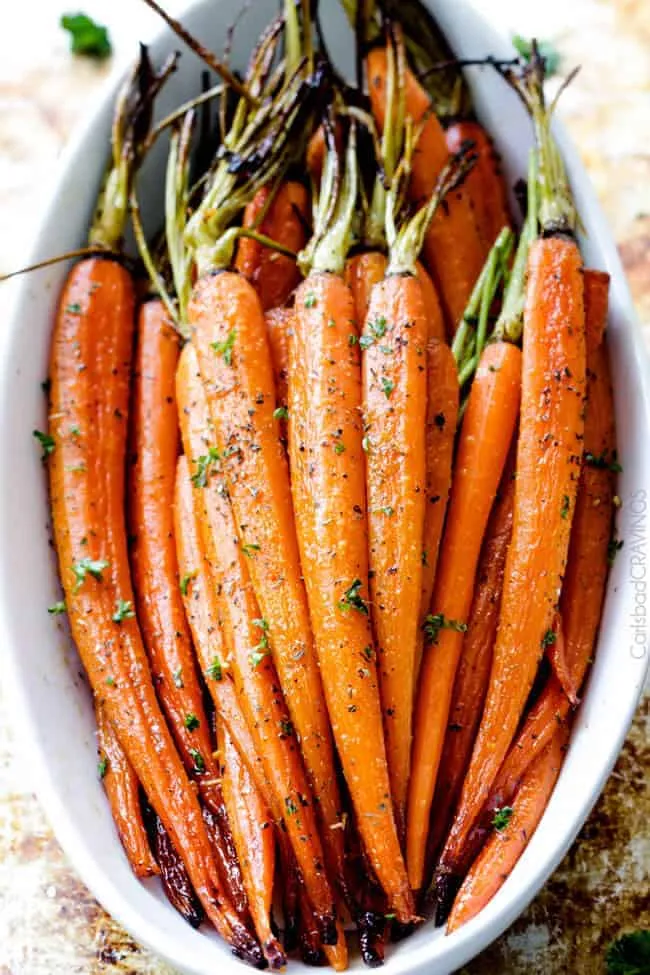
[[513, 828], [173, 875], [485, 184], [484, 443], [123, 793], [283, 216]]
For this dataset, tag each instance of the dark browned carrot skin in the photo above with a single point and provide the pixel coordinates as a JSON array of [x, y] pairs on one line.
[[173, 875], [245, 633], [154, 444], [473, 672], [123, 792], [485, 184], [284, 218], [94, 325]]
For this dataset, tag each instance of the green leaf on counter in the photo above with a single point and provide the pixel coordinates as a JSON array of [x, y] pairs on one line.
[[86, 36]]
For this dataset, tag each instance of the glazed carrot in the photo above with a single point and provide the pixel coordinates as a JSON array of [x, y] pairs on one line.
[[431, 303], [394, 412], [441, 425], [123, 792], [596, 299], [506, 844], [454, 251], [246, 632], [279, 323], [484, 442], [362, 272], [173, 875], [473, 672], [485, 184], [88, 423], [328, 483], [229, 335], [549, 457], [556, 654], [282, 216], [154, 450], [255, 842]]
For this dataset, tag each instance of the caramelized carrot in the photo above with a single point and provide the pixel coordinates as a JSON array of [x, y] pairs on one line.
[[283, 216], [506, 844], [362, 273], [235, 364], [123, 792], [88, 423], [246, 632], [255, 842], [596, 299], [485, 184], [483, 446], [173, 875], [453, 251], [441, 425], [394, 375], [473, 672], [325, 440], [279, 323], [548, 468]]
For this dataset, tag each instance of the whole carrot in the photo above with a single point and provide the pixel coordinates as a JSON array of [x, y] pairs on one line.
[[483, 446], [453, 249], [326, 450], [279, 323], [549, 456], [173, 875], [281, 215], [246, 633], [509, 839], [123, 792], [485, 184]]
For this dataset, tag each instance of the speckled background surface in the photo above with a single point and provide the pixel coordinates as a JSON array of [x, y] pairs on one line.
[[49, 923]]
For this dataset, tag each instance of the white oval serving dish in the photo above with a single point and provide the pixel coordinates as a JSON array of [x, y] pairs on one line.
[[44, 675]]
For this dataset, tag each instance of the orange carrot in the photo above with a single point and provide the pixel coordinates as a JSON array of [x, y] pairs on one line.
[[279, 323], [173, 875], [394, 375], [548, 468], [325, 440], [474, 666], [282, 216], [483, 446], [123, 792], [485, 184], [255, 841], [90, 367], [246, 632], [596, 299], [507, 843], [235, 364], [454, 251]]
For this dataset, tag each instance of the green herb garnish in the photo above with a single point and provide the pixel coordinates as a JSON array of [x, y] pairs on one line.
[[502, 818], [436, 622], [123, 611], [191, 721], [47, 443], [88, 567], [387, 386], [549, 638], [224, 349], [197, 758], [215, 670], [56, 609], [86, 36], [204, 465], [352, 599], [281, 413]]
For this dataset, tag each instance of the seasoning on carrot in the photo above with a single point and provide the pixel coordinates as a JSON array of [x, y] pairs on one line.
[[549, 456], [485, 184], [326, 443]]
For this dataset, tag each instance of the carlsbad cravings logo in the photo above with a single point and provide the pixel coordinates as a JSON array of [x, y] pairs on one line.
[[636, 543]]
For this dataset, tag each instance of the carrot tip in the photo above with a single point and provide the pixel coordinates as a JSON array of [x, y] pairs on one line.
[[444, 889], [371, 927]]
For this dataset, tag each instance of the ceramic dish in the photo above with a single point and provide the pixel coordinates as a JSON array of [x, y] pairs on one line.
[[54, 717]]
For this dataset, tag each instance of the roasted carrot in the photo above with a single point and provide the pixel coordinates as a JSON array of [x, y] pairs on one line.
[[362, 272], [506, 844], [473, 672], [154, 445], [453, 251], [483, 446], [549, 454], [441, 425], [282, 215], [253, 833], [596, 299], [485, 184], [328, 485], [556, 655], [123, 792], [279, 323], [173, 875], [246, 632]]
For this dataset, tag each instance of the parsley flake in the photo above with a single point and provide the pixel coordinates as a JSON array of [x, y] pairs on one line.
[[185, 581], [204, 466], [549, 639], [102, 766], [224, 349], [502, 818], [197, 758], [281, 413], [387, 386], [88, 567], [352, 599], [249, 549], [86, 36], [47, 443], [436, 622], [56, 609], [123, 611], [215, 670], [310, 300], [191, 721]]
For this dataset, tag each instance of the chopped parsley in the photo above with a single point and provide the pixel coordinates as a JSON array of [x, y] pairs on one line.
[[339, 448], [47, 443], [204, 465], [256, 657], [290, 806], [86, 36], [215, 670], [281, 413], [286, 727], [88, 567], [549, 638], [352, 599], [74, 308], [502, 818], [123, 611], [56, 609], [102, 766], [178, 678], [262, 649], [365, 443], [310, 300], [436, 622], [191, 721], [387, 510], [566, 504], [629, 954], [376, 330], [602, 462], [224, 349], [387, 386], [197, 758], [110, 681], [353, 339], [185, 581], [249, 548]]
